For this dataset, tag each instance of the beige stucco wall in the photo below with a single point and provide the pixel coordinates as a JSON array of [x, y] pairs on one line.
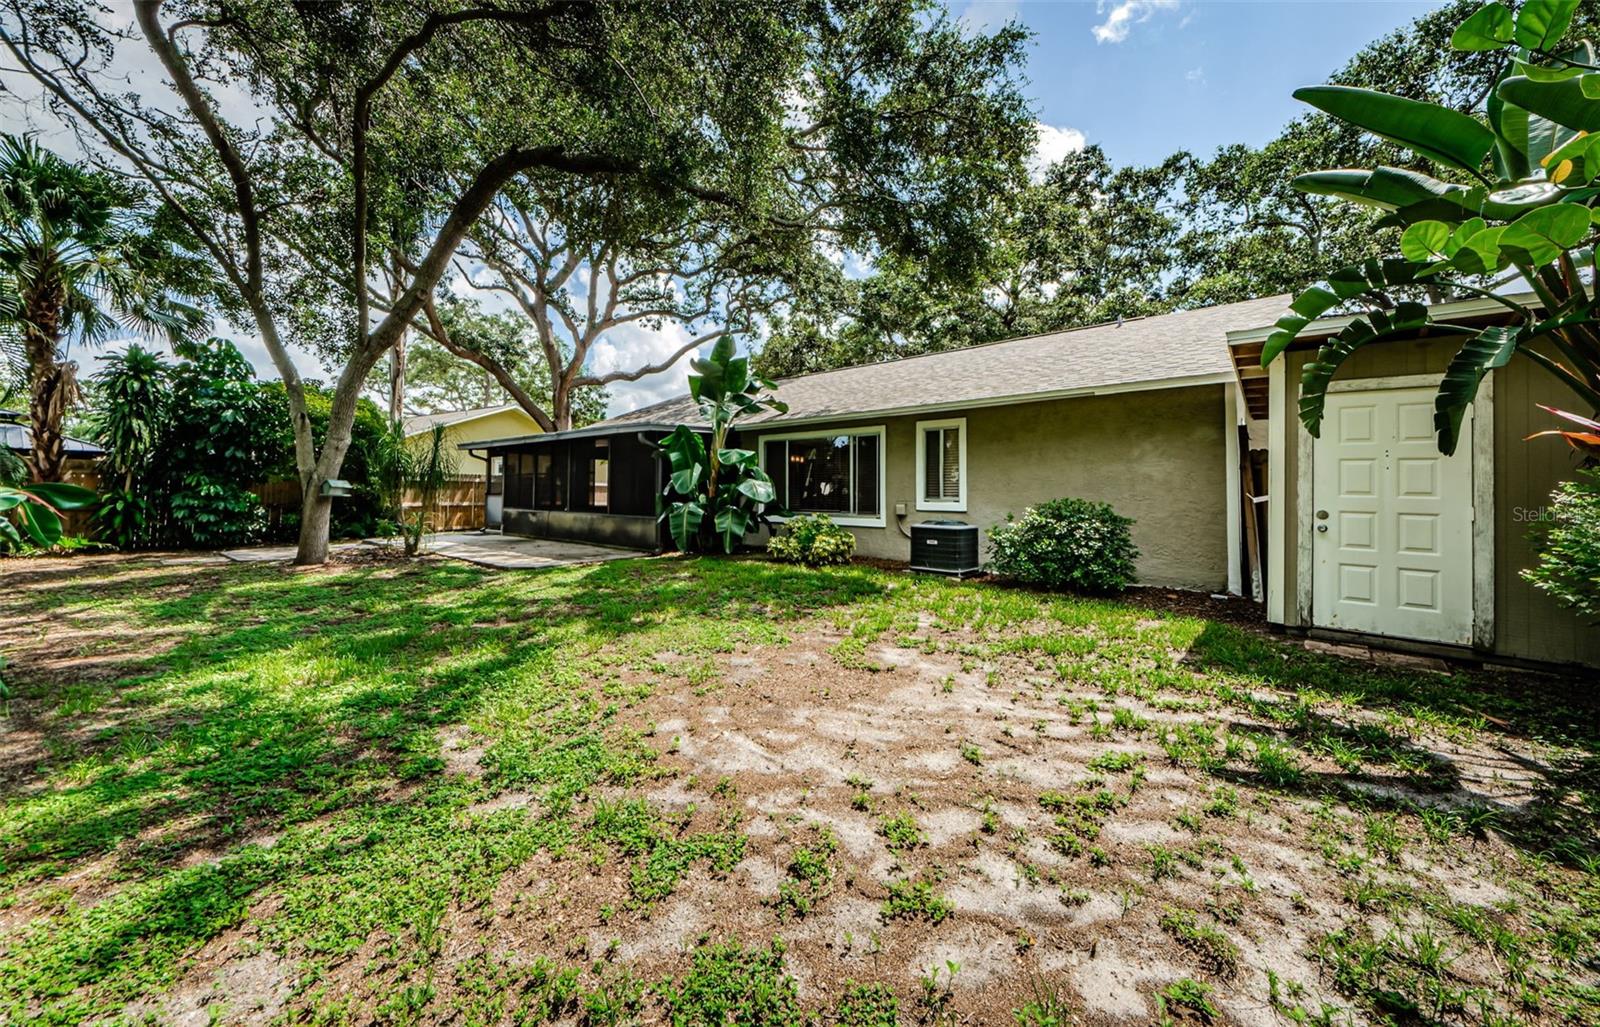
[[1156, 456], [503, 425], [1527, 624]]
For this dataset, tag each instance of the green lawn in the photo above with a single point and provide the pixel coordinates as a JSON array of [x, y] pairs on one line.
[[687, 791]]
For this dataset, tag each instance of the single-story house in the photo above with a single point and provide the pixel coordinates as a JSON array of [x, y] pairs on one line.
[[1372, 533], [468, 429], [1366, 534], [1140, 414], [476, 425]]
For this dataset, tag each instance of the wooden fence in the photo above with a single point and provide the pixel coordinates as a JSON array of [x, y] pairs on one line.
[[79, 472], [460, 503], [459, 508]]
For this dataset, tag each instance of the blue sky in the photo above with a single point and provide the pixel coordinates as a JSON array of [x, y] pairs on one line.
[[1145, 78]]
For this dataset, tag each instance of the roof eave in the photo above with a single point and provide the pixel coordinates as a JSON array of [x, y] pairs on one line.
[[591, 431]]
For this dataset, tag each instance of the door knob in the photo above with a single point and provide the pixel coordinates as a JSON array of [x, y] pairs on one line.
[[1322, 515], [1322, 528]]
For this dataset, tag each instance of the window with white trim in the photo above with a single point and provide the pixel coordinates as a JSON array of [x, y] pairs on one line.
[[838, 473], [942, 464]]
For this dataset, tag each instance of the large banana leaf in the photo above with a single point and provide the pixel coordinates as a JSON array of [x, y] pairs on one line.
[[732, 523], [38, 507], [1387, 188], [683, 521], [1491, 348], [1343, 285], [1364, 330], [686, 455], [1563, 101], [1438, 133], [758, 487], [61, 495]]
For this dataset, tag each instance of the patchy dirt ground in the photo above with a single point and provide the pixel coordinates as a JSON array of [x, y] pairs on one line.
[[931, 803]]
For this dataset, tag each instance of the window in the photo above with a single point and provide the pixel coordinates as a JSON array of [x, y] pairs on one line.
[[550, 478], [942, 464], [591, 475], [519, 481], [836, 473]]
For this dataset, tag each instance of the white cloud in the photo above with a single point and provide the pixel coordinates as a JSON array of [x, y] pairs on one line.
[[1052, 143], [1195, 75], [633, 345], [1123, 15]]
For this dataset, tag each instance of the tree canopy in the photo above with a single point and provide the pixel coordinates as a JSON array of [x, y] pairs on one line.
[[315, 150], [1087, 242]]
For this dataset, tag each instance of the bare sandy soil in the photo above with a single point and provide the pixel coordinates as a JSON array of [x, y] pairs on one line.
[[959, 819]]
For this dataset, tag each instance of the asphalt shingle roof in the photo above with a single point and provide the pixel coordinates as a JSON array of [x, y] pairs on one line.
[[1168, 347], [19, 438]]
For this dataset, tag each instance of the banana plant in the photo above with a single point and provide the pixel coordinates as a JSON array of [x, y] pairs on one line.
[[716, 493], [1514, 198], [35, 511]]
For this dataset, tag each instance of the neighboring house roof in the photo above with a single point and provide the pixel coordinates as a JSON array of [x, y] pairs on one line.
[[1185, 348], [418, 423], [17, 437]]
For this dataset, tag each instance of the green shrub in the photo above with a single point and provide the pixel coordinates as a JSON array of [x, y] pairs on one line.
[[1072, 544], [812, 539], [1568, 538]]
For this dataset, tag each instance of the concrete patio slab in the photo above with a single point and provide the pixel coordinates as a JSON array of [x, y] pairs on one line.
[[277, 554], [515, 552]]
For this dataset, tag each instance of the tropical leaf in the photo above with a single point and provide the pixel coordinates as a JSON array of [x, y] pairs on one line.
[[41, 522], [1364, 330], [758, 488], [1583, 441], [740, 458], [1387, 188], [1427, 240], [1489, 349], [1541, 23], [1562, 101], [1491, 27], [683, 521], [1342, 286], [63, 496], [1544, 234], [731, 524], [1439, 133]]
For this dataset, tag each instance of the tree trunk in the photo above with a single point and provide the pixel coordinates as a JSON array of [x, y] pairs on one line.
[[316, 515], [397, 380], [561, 404], [53, 392], [316, 511], [52, 384], [397, 360]]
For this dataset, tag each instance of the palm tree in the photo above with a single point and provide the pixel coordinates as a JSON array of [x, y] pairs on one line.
[[80, 261]]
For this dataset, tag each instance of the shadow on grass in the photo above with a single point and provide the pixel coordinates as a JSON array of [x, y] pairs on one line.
[[1554, 814], [301, 694]]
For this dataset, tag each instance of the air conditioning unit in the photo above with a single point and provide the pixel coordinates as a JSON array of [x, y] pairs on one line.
[[945, 547]]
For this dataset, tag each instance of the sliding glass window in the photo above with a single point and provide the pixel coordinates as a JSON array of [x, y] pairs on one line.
[[835, 473]]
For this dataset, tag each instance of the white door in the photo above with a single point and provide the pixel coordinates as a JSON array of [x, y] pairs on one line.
[[1392, 520]]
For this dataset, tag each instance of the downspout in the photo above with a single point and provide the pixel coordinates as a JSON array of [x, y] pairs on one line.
[[488, 475]]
